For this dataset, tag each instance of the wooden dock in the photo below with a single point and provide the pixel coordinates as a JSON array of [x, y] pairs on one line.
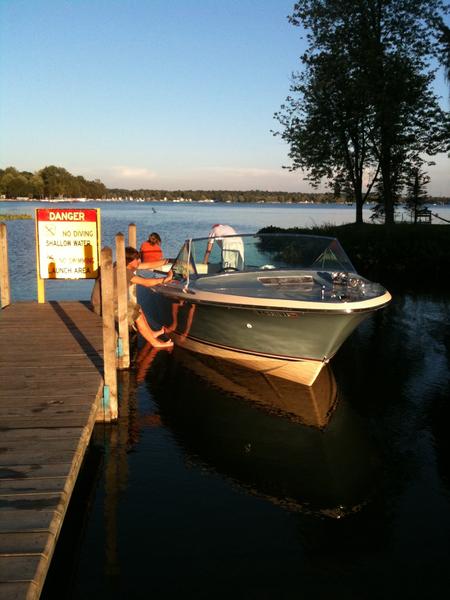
[[51, 384]]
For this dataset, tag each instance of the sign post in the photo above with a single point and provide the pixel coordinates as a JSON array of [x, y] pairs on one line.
[[67, 245]]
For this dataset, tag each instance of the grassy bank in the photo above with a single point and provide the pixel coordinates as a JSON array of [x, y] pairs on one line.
[[14, 217], [402, 257]]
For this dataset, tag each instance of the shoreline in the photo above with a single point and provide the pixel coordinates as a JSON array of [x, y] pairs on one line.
[[434, 201], [403, 257]]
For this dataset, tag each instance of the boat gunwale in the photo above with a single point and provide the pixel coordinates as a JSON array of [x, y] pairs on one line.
[[261, 304]]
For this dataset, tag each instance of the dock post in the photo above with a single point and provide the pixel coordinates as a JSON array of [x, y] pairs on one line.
[[123, 358], [132, 241], [110, 400], [5, 289]]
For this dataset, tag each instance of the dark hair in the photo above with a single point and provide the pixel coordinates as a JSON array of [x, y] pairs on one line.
[[131, 254], [155, 235]]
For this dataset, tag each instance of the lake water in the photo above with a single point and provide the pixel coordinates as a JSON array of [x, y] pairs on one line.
[[173, 221], [201, 491]]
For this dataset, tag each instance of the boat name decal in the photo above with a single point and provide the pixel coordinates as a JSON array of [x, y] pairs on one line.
[[277, 313]]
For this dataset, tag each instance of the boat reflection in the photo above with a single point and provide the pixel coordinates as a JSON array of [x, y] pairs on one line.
[[258, 433], [310, 405]]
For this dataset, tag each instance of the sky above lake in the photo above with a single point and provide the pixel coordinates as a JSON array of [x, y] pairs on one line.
[[160, 94]]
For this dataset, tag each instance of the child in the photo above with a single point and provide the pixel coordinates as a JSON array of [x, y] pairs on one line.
[[136, 317]]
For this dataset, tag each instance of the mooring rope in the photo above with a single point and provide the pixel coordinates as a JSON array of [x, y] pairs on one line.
[[185, 287]]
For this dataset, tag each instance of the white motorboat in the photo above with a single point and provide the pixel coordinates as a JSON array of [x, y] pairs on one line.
[[279, 303]]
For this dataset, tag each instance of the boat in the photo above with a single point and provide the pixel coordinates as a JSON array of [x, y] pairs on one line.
[[282, 303]]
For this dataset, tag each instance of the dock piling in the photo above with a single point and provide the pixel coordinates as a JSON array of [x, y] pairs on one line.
[[5, 290], [132, 241], [109, 334], [123, 359]]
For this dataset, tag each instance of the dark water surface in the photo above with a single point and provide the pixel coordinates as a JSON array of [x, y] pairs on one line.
[[201, 492], [207, 489]]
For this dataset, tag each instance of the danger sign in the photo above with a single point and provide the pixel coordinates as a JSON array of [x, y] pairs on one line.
[[67, 243]]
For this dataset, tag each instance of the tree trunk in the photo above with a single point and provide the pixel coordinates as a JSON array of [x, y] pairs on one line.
[[388, 207], [359, 206], [388, 198]]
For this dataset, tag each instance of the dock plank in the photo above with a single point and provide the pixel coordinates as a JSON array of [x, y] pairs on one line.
[[31, 486], [18, 590], [51, 368], [25, 543]]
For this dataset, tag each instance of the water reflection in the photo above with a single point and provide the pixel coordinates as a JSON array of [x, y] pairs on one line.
[[117, 440], [310, 405], [253, 430]]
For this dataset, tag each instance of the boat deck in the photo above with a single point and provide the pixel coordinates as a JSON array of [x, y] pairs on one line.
[[291, 285]]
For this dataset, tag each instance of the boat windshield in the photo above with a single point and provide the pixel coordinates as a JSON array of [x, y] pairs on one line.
[[260, 252]]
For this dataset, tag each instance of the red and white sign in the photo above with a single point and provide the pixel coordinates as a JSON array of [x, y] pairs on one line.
[[68, 243]]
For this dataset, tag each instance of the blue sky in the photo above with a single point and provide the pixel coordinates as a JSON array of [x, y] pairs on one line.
[[171, 94]]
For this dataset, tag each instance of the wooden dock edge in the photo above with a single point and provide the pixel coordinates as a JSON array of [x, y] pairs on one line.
[[12, 587]]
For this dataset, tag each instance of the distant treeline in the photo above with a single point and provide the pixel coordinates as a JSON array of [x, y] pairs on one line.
[[56, 182], [49, 182], [222, 195]]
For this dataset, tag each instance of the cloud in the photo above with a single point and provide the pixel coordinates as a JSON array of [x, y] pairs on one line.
[[200, 177], [242, 171], [138, 173]]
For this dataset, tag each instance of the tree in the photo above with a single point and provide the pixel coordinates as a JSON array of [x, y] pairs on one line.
[[16, 185], [327, 125], [416, 192], [364, 103], [445, 41], [56, 181], [37, 186]]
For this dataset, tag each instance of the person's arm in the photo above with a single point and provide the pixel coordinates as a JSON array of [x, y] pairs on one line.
[[208, 251], [154, 264], [151, 282]]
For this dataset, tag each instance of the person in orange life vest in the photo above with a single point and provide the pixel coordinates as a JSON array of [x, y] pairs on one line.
[[151, 249]]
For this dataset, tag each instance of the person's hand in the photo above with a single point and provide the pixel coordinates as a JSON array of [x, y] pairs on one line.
[[168, 277]]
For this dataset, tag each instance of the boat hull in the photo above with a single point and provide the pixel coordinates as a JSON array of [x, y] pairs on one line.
[[288, 303], [294, 344]]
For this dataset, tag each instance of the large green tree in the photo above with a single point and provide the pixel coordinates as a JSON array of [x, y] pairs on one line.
[[327, 124], [363, 107]]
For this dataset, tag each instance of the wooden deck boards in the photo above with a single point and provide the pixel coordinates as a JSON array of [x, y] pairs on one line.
[[50, 386]]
